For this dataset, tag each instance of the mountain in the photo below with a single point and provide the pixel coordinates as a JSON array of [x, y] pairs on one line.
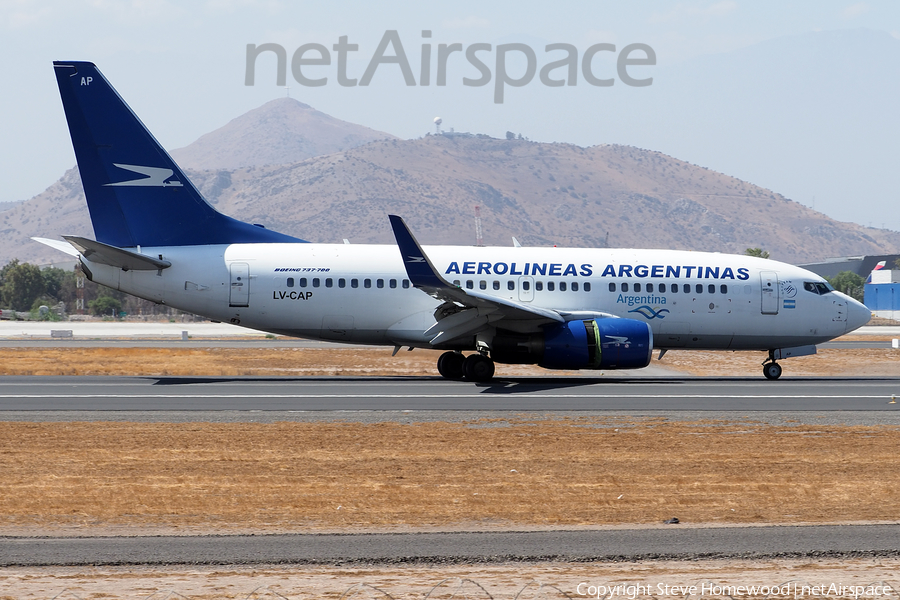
[[544, 194], [280, 131]]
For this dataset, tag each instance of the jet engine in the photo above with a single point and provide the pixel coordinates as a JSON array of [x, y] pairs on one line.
[[590, 344]]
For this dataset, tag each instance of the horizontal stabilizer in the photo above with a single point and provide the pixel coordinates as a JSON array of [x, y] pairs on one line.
[[57, 245], [98, 252]]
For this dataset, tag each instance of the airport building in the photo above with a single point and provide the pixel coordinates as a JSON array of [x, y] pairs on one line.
[[861, 265], [882, 295]]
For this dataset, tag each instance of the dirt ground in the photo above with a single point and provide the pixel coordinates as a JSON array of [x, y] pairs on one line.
[[549, 581], [280, 361], [488, 473]]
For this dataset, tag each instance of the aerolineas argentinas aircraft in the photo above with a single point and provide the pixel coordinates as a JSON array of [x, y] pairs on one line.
[[157, 238]]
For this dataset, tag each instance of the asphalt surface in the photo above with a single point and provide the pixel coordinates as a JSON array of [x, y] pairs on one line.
[[673, 542], [213, 394]]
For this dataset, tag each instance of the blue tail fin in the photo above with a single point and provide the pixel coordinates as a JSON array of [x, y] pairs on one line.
[[135, 192]]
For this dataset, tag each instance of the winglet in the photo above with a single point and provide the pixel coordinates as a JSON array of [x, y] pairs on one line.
[[421, 272]]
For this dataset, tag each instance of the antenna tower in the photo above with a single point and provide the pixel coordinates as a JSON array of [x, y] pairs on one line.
[[79, 288], [479, 237]]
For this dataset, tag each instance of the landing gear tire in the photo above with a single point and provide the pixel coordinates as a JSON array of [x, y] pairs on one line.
[[450, 365], [772, 370], [478, 367]]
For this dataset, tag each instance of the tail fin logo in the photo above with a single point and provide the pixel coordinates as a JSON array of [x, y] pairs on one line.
[[155, 177]]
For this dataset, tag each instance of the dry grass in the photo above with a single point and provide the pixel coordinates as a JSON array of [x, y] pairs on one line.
[[379, 362], [580, 471]]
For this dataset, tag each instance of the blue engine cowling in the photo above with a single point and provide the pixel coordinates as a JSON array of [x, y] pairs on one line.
[[590, 344]]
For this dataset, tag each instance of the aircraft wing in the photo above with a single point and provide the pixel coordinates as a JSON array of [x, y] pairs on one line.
[[473, 309]]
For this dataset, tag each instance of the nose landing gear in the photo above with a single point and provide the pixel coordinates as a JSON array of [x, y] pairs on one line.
[[772, 370]]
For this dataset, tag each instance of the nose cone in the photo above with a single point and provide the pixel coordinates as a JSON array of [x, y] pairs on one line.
[[857, 315]]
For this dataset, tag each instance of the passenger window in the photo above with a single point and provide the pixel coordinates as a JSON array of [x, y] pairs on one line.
[[526, 285], [329, 282], [379, 283], [574, 286], [662, 288], [699, 288], [723, 288], [624, 287], [456, 283], [393, 284], [367, 283], [649, 288], [303, 282], [342, 282], [587, 286], [637, 287], [687, 288], [562, 286], [539, 286], [290, 282], [712, 288], [470, 284], [316, 282], [496, 285], [406, 284], [354, 283], [482, 285], [612, 286], [551, 286], [510, 285]]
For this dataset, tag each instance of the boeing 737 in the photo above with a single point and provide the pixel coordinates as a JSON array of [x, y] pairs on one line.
[[157, 238]]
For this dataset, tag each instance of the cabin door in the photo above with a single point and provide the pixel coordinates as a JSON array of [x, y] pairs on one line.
[[240, 285], [770, 292]]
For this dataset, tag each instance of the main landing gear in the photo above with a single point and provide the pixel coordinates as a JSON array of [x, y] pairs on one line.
[[475, 367]]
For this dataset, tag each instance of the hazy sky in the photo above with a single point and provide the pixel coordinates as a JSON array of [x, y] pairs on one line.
[[181, 66]]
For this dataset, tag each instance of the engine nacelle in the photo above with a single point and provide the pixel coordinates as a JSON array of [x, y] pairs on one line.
[[590, 344]]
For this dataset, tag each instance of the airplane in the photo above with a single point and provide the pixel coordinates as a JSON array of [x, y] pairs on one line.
[[561, 308]]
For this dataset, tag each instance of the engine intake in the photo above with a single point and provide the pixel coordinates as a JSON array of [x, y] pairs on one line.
[[591, 344]]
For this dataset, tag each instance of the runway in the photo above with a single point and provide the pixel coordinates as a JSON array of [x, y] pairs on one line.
[[673, 542], [209, 395]]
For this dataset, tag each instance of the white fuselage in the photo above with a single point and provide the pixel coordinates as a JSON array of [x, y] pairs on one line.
[[361, 293]]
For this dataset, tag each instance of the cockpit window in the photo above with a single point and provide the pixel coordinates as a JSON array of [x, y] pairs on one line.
[[817, 287]]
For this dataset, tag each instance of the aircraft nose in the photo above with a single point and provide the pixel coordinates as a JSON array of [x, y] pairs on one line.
[[858, 314]]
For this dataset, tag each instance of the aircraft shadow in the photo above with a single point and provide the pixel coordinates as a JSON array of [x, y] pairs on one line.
[[508, 385]]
